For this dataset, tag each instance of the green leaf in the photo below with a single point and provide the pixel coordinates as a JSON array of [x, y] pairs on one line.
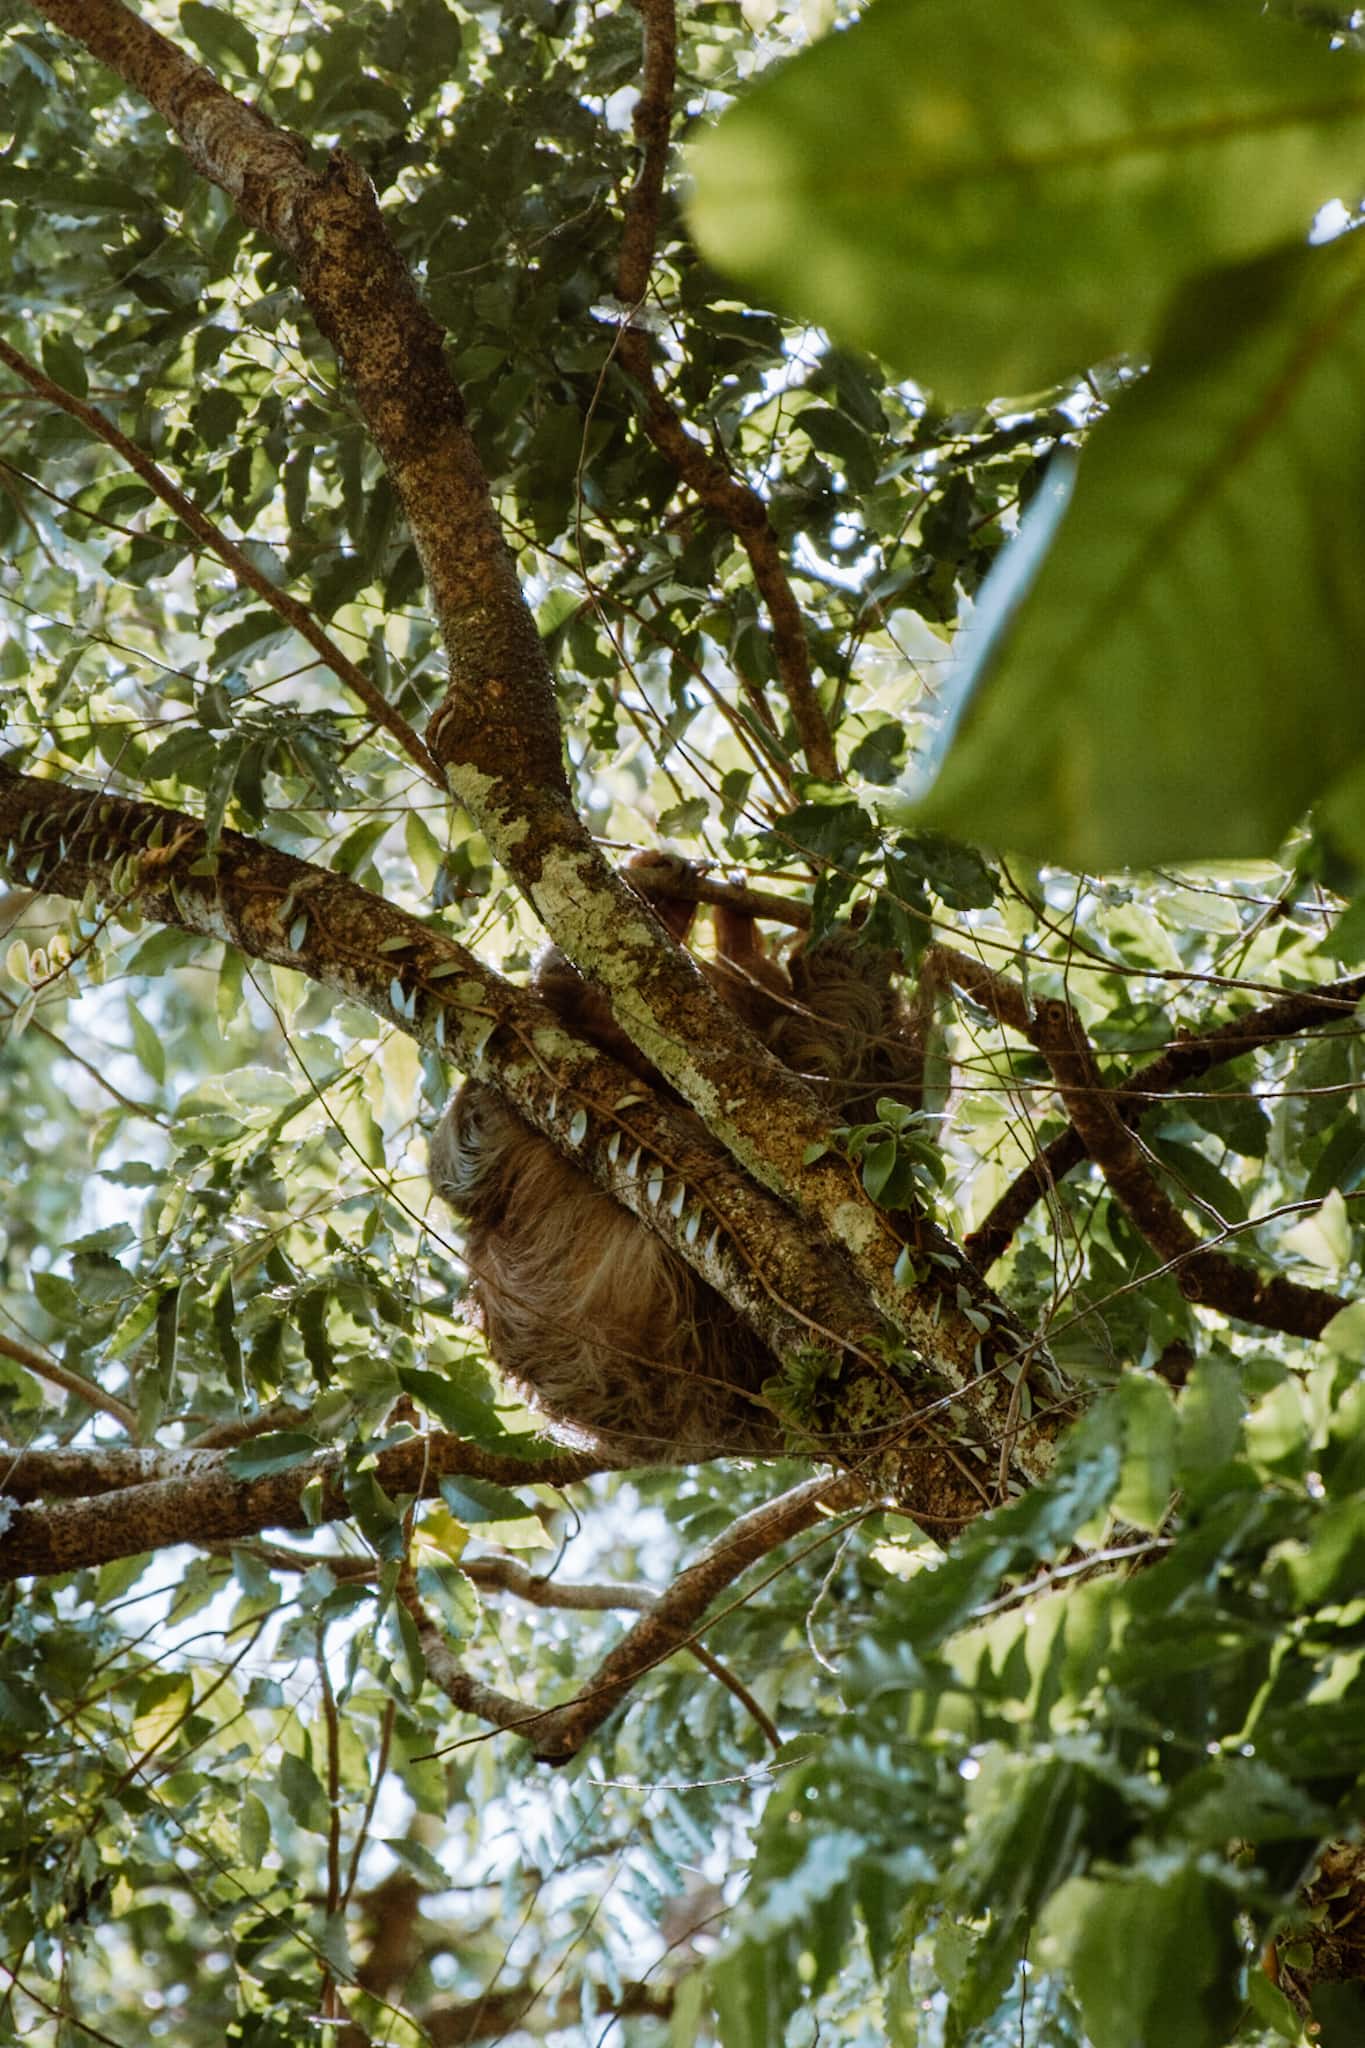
[[1153, 1959], [65, 363], [376, 1514], [989, 197], [229, 996], [225, 41], [279, 1451], [1205, 582], [456, 1407], [64, 193], [1149, 1442], [147, 1043], [253, 1830], [303, 1794], [1199, 1183], [163, 1700], [480, 1500]]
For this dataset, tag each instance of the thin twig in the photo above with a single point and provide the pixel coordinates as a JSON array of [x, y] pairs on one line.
[[735, 504], [70, 1382], [211, 536]]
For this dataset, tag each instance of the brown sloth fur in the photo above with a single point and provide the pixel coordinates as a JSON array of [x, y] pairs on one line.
[[596, 1322]]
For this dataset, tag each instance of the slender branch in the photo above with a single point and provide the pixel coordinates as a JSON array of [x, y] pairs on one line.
[[677, 1613], [1101, 1117], [1193, 1056], [238, 1430], [1206, 1276], [282, 1557], [469, 1694], [210, 535], [45, 1368], [506, 1575], [669, 1624], [362, 1833], [724, 1676], [733, 503], [684, 882], [332, 1724]]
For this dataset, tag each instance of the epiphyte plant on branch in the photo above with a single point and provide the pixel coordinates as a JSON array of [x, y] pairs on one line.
[[938, 1593]]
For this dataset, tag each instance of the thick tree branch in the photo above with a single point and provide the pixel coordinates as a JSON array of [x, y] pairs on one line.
[[733, 503], [651, 1155], [211, 536], [206, 1504], [497, 733]]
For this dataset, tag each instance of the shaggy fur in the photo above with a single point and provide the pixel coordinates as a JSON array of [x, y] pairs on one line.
[[595, 1321]]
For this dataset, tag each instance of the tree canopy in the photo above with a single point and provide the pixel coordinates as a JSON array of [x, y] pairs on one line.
[[441, 460]]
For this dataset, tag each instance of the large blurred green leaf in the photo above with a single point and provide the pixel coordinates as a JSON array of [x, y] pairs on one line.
[[1155, 1958], [1183, 676], [991, 196]]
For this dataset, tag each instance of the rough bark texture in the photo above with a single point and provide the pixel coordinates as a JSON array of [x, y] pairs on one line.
[[798, 1292], [497, 733], [206, 1504]]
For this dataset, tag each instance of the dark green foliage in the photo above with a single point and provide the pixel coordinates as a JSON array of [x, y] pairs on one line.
[[1055, 1785]]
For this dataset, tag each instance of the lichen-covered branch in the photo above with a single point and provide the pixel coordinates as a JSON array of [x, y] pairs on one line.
[[794, 1287]]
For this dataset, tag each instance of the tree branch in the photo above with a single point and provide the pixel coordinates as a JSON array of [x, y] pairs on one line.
[[1190, 1059], [668, 1624], [1208, 1277], [732, 502], [205, 1503], [211, 536], [45, 1368], [650, 1155]]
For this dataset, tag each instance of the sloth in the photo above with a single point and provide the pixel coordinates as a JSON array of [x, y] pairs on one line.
[[597, 1324]]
